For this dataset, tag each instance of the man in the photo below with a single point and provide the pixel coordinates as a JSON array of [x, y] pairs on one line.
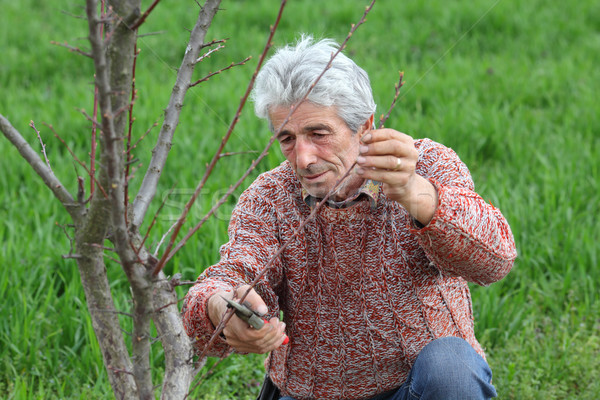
[[373, 289]]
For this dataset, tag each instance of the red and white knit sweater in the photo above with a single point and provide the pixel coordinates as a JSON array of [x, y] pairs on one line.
[[362, 289]]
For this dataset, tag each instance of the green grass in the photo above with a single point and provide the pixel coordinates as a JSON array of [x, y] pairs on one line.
[[511, 86]]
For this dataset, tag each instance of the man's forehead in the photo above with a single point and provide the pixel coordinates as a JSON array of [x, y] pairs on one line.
[[304, 114]]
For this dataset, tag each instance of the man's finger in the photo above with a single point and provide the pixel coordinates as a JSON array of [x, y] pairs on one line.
[[247, 340], [387, 162], [256, 302], [388, 147], [381, 135]]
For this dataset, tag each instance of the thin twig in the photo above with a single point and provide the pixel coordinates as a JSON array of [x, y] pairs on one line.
[[154, 219], [209, 52], [215, 159], [320, 204], [315, 210], [92, 118], [32, 125], [142, 35], [131, 162], [213, 42], [210, 75], [70, 14], [154, 125], [118, 370], [112, 259], [398, 85], [300, 228], [333, 190], [162, 239], [141, 20], [229, 313], [77, 160], [72, 49], [99, 246], [71, 238], [235, 153], [169, 304], [127, 106], [128, 155], [253, 165], [94, 144], [80, 189]]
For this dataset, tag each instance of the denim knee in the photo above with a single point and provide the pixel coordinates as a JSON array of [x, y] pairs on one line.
[[449, 368]]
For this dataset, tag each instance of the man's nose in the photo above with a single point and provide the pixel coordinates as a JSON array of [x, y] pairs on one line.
[[305, 153]]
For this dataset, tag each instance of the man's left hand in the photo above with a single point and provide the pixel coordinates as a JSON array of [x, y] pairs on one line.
[[390, 157]]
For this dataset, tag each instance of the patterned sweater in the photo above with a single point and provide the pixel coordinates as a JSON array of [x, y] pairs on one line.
[[362, 289]]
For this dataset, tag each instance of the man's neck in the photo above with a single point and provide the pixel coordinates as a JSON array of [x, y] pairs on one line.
[[367, 190]]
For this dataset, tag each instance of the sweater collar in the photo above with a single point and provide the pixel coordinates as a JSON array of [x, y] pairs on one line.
[[369, 190]]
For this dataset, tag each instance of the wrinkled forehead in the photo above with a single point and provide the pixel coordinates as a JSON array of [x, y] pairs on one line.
[[307, 113]]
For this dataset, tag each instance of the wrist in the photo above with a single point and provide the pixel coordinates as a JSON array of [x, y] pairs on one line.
[[216, 307], [420, 199]]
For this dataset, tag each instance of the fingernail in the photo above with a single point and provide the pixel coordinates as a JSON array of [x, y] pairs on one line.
[[361, 160], [262, 309], [367, 137], [363, 149], [360, 171]]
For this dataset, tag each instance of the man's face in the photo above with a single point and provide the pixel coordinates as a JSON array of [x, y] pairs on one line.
[[320, 147]]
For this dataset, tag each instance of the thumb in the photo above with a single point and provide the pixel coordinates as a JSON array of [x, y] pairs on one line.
[[256, 302]]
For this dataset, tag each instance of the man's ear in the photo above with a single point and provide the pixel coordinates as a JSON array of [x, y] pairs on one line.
[[366, 127]]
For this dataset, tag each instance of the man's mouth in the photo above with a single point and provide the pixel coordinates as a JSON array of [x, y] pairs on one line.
[[313, 177]]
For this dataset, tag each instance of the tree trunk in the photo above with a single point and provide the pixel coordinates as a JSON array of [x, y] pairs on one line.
[[89, 240]]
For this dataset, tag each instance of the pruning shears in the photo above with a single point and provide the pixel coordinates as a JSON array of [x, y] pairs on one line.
[[244, 312]]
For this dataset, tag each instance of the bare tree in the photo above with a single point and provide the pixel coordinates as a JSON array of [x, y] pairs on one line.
[[108, 213]]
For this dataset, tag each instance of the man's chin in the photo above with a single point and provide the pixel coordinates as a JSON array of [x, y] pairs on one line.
[[320, 190], [316, 191]]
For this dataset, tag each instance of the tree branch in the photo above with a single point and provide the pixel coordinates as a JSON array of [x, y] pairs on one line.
[[210, 75], [32, 125], [166, 255], [142, 19], [397, 87], [209, 52], [270, 262], [33, 159], [72, 49], [77, 160], [179, 367], [184, 75]]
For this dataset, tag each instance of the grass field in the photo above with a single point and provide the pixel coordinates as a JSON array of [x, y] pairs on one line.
[[512, 86]]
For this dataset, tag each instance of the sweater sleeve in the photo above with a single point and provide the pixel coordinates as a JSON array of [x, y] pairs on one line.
[[467, 237], [252, 243]]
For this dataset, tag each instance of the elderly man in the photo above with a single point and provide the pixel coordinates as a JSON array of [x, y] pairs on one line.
[[373, 290]]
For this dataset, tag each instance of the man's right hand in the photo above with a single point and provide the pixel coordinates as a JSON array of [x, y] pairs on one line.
[[238, 334]]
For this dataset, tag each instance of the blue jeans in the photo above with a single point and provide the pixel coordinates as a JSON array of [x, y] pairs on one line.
[[446, 369]]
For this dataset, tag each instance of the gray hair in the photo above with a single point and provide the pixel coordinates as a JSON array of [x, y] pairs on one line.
[[289, 73]]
